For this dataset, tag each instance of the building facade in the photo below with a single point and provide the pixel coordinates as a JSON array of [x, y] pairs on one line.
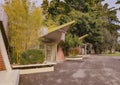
[[3, 16], [51, 39], [2, 65]]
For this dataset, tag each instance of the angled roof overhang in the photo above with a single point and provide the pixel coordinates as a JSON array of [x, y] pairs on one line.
[[82, 37], [54, 35]]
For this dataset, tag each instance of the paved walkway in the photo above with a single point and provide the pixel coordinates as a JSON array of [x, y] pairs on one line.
[[94, 70]]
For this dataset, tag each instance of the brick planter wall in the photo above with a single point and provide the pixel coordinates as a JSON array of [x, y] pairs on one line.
[[2, 66]]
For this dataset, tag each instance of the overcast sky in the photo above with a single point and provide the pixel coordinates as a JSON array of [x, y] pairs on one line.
[[112, 4]]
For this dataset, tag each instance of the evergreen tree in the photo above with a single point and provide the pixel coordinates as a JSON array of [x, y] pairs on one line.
[[91, 18]]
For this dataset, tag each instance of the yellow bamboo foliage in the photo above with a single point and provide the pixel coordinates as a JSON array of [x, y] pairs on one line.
[[24, 21]]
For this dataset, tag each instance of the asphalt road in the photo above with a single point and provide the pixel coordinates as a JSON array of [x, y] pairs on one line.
[[94, 70]]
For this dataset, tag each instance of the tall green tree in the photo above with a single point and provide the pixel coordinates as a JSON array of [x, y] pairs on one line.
[[110, 18], [45, 5], [91, 18], [58, 11], [118, 2]]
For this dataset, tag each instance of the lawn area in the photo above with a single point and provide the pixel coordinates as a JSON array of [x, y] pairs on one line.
[[113, 54]]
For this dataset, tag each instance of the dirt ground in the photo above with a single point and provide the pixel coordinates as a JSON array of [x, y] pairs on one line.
[[94, 70]]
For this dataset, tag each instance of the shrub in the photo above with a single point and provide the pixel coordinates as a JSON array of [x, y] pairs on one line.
[[71, 41], [74, 51], [32, 56]]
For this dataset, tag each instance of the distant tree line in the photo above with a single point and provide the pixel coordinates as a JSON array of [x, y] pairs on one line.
[[91, 17]]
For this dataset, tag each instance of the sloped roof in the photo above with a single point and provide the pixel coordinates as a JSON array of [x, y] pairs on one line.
[[60, 27], [82, 37], [54, 34]]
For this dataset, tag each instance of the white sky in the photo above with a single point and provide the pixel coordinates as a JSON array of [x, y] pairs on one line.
[[1, 1], [112, 4]]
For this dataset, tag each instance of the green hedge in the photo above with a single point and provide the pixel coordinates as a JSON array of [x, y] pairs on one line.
[[32, 56], [74, 51]]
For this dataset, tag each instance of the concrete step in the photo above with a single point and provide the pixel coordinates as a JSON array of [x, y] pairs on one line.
[[9, 78]]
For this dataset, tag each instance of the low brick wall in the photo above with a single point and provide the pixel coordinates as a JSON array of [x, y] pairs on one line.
[[2, 66]]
